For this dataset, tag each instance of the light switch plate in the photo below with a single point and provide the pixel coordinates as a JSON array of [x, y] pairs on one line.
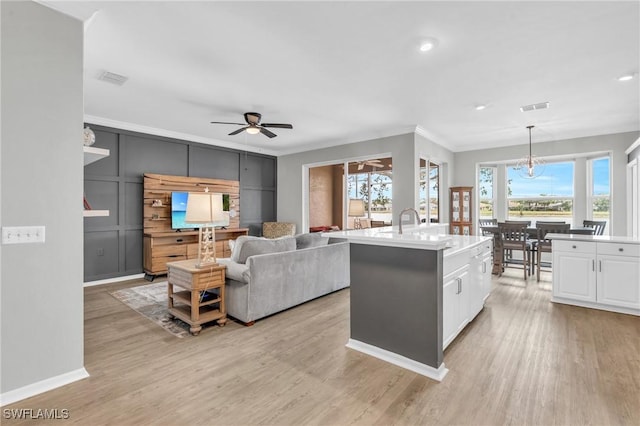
[[22, 234]]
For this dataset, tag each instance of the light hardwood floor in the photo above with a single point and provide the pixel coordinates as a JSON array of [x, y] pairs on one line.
[[523, 361]]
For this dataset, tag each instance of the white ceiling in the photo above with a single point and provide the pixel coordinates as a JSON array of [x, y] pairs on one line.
[[347, 71]]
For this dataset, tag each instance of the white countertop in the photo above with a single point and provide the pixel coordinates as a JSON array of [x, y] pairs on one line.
[[424, 236], [595, 238], [463, 242]]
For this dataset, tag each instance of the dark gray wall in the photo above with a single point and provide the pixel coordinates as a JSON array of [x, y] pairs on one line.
[[113, 244]]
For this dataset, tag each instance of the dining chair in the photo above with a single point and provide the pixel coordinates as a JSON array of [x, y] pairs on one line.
[[597, 225], [520, 222], [543, 244], [514, 238], [583, 231], [487, 222]]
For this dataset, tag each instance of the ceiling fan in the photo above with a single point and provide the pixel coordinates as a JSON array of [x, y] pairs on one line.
[[253, 125], [373, 163]]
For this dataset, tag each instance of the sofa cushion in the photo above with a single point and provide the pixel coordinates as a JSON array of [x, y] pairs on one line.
[[236, 271], [310, 240], [237, 246], [264, 246]]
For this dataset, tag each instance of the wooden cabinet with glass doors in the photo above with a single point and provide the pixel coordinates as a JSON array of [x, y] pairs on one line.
[[461, 210]]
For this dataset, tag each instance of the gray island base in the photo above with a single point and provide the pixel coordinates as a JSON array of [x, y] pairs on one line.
[[396, 306]]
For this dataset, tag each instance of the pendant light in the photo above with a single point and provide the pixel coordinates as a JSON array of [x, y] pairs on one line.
[[530, 166]]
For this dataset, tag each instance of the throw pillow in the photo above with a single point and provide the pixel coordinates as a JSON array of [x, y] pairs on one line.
[[310, 240], [265, 246], [237, 246]]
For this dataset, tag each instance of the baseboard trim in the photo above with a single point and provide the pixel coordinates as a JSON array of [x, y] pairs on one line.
[[399, 360], [113, 280], [42, 386], [594, 305]]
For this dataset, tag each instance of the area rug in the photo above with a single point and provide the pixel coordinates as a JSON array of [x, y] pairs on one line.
[[151, 301]]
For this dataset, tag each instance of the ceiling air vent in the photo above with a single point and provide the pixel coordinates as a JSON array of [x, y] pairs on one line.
[[113, 78], [532, 107]]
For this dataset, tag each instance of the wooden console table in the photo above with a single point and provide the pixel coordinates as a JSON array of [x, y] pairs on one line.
[[187, 304], [170, 246]]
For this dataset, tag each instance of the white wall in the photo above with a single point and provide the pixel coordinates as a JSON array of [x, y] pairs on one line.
[[404, 150], [465, 164], [41, 295]]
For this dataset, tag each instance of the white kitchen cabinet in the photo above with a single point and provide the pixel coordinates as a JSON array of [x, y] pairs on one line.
[[574, 275], [455, 304], [596, 274], [618, 281], [480, 277], [487, 264]]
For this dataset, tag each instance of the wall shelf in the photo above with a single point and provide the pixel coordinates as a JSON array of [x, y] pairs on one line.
[[95, 213], [93, 154]]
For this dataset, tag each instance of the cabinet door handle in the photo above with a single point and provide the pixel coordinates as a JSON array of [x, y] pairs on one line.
[[620, 249], [599, 265], [484, 267], [573, 246], [593, 265]]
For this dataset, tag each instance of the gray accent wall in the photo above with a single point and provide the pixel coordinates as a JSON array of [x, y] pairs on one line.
[[113, 244], [403, 149], [41, 288], [466, 162]]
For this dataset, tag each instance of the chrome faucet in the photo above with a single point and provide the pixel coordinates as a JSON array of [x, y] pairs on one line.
[[408, 209]]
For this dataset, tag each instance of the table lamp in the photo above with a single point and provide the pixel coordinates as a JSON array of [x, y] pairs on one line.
[[205, 209], [356, 210]]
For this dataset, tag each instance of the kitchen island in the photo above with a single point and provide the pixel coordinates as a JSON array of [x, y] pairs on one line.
[[403, 310], [596, 271]]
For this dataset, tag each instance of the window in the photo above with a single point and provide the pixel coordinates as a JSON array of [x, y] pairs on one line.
[[434, 193], [429, 191], [487, 192], [599, 191], [373, 184], [548, 197]]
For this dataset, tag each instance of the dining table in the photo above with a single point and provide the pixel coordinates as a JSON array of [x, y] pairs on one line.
[[532, 234]]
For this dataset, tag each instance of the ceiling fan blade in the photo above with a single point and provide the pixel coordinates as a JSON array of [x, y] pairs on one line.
[[278, 125], [224, 122], [267, 132], [240, 130]]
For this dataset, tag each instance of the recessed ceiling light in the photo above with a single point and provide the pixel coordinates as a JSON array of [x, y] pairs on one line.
[[626, 77], [480, 107], [428, 44]]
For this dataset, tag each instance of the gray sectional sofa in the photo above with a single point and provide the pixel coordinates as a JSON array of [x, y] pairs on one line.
[[265, 276]]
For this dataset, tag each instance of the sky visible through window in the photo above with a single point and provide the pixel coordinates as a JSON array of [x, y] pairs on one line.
[[555, 181], [601, 176]]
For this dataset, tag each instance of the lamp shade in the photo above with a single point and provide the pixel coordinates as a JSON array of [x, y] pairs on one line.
[[356, 207], [204, 207]]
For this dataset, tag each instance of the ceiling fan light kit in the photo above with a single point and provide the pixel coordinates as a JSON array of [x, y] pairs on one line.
[[253, 126]]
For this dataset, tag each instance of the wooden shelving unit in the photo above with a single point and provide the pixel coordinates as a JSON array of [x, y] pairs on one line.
[[461, 210], [161, 244]]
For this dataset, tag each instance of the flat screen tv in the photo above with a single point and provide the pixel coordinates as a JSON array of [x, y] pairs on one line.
[[179, 210]]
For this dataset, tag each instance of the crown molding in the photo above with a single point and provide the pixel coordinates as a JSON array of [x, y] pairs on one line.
[[633, 146]]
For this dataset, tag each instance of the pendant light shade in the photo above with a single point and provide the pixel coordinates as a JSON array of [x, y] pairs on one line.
[[530, 166]]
